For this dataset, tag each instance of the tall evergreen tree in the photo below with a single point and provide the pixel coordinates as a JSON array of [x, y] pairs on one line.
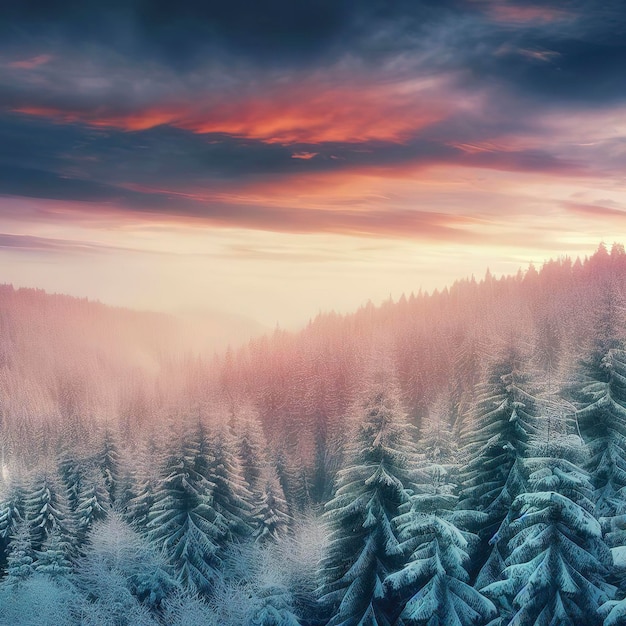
[[364, 548], [46, 509], [271, 515], [558, 559], [432, 588], [602, 424], [144, 485], [504, 418], [52, 559], [20, 555], [108, 460], [93, 503], [12, 514], [183, 521], [230, 497]]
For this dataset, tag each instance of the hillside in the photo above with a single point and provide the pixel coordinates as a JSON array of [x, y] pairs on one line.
[[456, 457]]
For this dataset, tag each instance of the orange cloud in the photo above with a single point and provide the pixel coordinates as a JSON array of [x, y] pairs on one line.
[[309, 113], [32, 63]]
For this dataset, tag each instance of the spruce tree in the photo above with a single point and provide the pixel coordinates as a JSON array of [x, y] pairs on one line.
[[93, 503], [558, 560], [12, 514], [271, 516], [46, 509], [364, 548], [20, 555], [602, 424], [52, 559], [230, 497], [183, 521], [108, 460], [275, 608], [144, 485], [504, 419], [432, 588]]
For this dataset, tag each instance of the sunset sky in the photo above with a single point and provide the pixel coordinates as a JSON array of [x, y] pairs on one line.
[[274, 158]]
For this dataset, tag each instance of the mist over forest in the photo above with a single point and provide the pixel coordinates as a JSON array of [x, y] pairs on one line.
[[449, 458]]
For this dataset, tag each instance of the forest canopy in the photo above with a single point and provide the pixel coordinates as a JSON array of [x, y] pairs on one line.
[[451, 458]]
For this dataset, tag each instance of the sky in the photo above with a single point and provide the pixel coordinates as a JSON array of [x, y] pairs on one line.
[[277, 158]]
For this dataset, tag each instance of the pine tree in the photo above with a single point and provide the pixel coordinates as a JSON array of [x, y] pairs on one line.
[[275, 608], [93, 503], [12, 514], [46, 509], [364, 548], [505, 417], [71, 472], [230, 497], [20, 556], [145, 481], [271, 515], [558, 559], [183, 521], [52, 558], [250, 448], [432, 588], [602, 425], [108, 460]]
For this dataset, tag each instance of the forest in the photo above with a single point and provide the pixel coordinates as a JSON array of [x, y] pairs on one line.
[[454, 458]]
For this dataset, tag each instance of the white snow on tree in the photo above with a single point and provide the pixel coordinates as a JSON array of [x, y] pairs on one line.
[[46, 508], [603, 426], [271, 515], [230, 497], [93, 503], [558, 559], [118, 560], [432, 588], [52, 559], [20, 557], [364, 548], [505, 419], [12, 512], [183, 522]]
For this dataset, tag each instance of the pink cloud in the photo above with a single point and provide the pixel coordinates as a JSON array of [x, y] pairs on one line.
[[32, 63], [304, 155], [307, 112]]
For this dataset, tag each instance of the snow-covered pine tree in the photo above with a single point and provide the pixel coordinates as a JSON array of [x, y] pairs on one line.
[[52, 559], [271, 515], [432, 588], [230, 498], [602, 425], [93, 503], [12, 514], [275, 608], [558, 560], [504, 418], [108, 460], [182, 521], [364, 547], [250, 446], [20, 555], [144, 484], [71, 473], [46, 508], [118, 556]]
